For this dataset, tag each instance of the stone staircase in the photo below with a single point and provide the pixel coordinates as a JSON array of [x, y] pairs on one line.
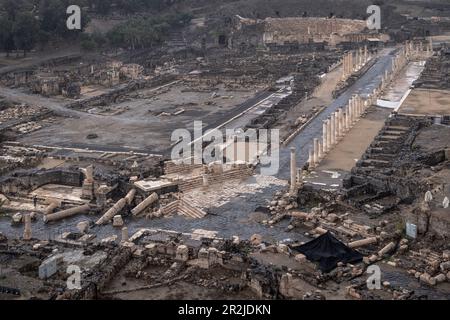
[[197, 182], [181, 207]]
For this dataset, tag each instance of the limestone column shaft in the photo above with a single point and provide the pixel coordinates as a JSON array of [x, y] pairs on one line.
[[321, 154], [337, 126], [311, 158], [293, 169], [332, 129], [27, 233], [114, 210], [67, 213], [316, 151], [124, 234], [365, 54], [347, 123], [145, 204], [341, 122], [329, 146], [345, 65], [351, 109], [324, 137]]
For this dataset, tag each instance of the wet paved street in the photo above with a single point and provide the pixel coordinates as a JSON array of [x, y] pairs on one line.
[[303, 142]]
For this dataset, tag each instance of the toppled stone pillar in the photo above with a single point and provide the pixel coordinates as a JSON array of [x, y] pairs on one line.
[[130, 196], [144, 204], [125, 235], [363, 242], [386, 249], [51, 207], [67, 213], [27, 233], [114, 210], [293, 169]]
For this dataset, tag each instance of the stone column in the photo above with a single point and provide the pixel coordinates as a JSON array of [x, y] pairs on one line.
[[67, 213], [124, 234], [324, 137], [293, 169], [352, 62], [341, 122], [365, 54], [351, 113], [51, 207], [114, 210], [337, 125], [332, 130], [329, 146], [145, 204], [321, 154], [311, 158], [361, 57], [205, 180], [130, 196], [27, 233], [316, 151], [344, 67], [348, 63], [348, 117], [359, 104]]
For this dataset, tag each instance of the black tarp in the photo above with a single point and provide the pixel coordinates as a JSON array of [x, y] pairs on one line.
[[328, 251]]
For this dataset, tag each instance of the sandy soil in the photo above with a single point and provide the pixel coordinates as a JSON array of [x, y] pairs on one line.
[[427, 102], [356, 141]]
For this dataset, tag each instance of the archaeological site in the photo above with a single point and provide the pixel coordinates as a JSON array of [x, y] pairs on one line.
[[225, 150]]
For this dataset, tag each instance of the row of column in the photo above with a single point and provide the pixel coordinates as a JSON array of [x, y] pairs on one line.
[[419, 49], [342, 120], [398, 63], [337, 125], [353, 61]]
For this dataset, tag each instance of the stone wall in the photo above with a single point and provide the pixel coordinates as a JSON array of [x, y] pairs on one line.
[[23, 182]]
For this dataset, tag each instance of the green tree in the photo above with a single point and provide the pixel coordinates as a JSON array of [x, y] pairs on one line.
[[6, 35], [24, 32]]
